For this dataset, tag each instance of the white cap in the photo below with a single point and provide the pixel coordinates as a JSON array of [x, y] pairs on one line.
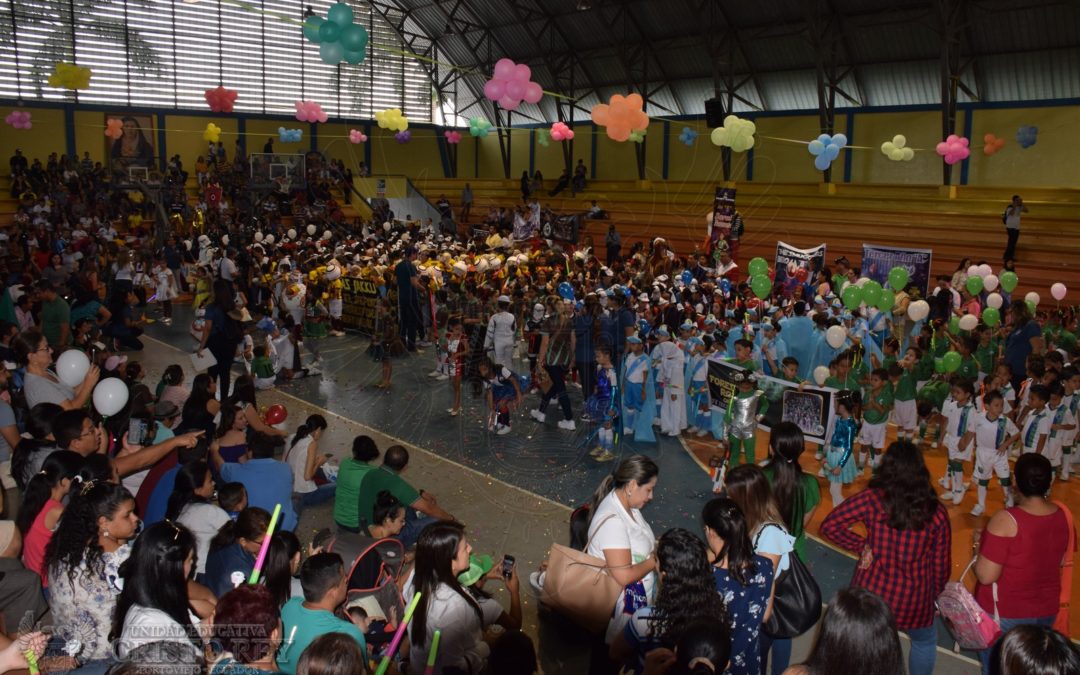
[[504, 298]]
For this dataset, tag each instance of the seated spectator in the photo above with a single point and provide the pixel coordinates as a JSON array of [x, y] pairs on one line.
[[703, 649], [20, 589], [191, 505], [32, 351], [323, 578], [1031, 649], [230, 439], [268, 481], [513, 653], [333, 654], [157, 487], [350, 475], [247, 628], [43, 505], [282, 567], [388, 477], [305, 459], [30, 453], [233, 550], [857, 629], [162, 657]]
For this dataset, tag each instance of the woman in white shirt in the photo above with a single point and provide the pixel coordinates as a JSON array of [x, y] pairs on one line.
[[305, 460], [190, 505], [748, 487], [153, 606], [442, 553], [619, 534]]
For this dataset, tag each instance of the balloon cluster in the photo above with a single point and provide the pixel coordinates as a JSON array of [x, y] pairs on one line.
[[760, 283], [114, 128], [560, 132], [212, 133], [289, 135], [688, 136], [403, 137], [479, 127], [70, 76], [1026, 136], [954, 149], [357, 136], [825, 149], [220, 99], [511, 84], [452, 137], [737, 134], [20, 119], [621, 116], [638, 135], [310, 111], [392, 119], [897, 149], [337, 36], [991, 144]]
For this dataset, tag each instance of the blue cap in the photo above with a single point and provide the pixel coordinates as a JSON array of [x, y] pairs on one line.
[[836, 304], [694, 342], [686, 325], [710, 320], [662, 331], [634, 340]]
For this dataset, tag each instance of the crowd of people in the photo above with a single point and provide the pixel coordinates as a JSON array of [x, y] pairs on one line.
[[141, 527]]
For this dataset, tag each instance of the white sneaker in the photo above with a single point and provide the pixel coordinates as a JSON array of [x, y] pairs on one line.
[[943, 482], [442, 376], [691, 430], [933, 446], [502, 429], [567, 425], [434, 373], [978, 510], [627, 431], [536, 582], [702, 432], [538, 416], [957, 497], [453, 411]]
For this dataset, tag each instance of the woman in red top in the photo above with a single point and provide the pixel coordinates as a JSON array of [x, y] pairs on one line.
[[1022, 551], [905, 556]]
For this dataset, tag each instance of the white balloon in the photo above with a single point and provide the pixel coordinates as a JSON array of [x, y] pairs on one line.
[[973, 271], [862, 281], [985, 271], [110, 396], [835, 336], [311, 230], [1058, 291], [327, 234], [269, 239], [918, 310], [990, 282], [386, 226], [968, 322], [821, 373], [1033, 298], [291, 233], [225, 239], [994, 300], [72, 367], [258, 236]]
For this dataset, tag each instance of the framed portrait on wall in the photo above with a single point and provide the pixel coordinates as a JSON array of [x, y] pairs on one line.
[[137, 147]]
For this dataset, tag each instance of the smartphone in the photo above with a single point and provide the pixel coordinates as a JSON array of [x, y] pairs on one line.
[[136, 431], [507, 566]]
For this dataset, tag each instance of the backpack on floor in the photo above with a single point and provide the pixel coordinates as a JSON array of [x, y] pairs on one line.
[[374, 568], [971, 626]]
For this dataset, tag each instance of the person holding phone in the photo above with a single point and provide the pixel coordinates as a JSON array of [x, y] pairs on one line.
[[305, 459]]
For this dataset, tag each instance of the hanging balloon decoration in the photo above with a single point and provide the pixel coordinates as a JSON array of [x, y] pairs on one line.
[[479, 127], [357, 136], [310, 111], [212, 133], [220, 99], [897, 149], [991, 144], [621, 116], [392, 119], [19, 119], [290, 135], [953, 149], [114, 128], [452, 137], [737, 134], [825, 149], [560, 132], [70, 76], [510, 84], [339, 39], [688, 137]]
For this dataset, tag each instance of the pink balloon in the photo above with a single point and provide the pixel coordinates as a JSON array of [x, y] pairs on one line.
[[494, 89], [507, 103], [942, 148], [1058, 291], [515, 89], [533, 93], [522, 72], [504, 69]]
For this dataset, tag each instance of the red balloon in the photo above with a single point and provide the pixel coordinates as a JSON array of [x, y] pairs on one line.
[[802, 275], [275, 414]]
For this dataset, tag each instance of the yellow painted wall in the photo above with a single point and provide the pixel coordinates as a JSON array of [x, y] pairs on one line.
[[419, 158], [184, 136], [258, 131], [617, 160], [89, 133], [922, 131], [700, 161], [490, 159], [45, 137], [782, 162], [1051, 162]]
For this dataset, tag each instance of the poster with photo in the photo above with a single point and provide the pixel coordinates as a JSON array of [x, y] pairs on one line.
[[878, 260], [797, 266], [136, 147]]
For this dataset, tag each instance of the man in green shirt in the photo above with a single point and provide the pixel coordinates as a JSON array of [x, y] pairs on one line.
[[55, 316], [350, 476], [324, 580], [387, 477]]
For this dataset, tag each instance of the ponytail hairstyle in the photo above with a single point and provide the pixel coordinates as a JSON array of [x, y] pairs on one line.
[[250, 524], [312, 423], [787, 442], [723, 517], [749, 488], [703, 649], [189, 478], [75, 541], [637, 468], [278, 571], [59, 466]]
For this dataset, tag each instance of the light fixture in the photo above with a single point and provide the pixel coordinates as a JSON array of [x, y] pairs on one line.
[[583, 5], [309, 12]]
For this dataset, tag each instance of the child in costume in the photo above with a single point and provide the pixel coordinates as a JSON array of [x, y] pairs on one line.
[[639, 397], [502, 391], [336, 306], [958, 419], [879, 403], [262, 369], [905, 412], [930, 398], [745, 409], [601, 406], [839, 466], [457, 350], [1070, 380], [697, 392], [670, 362], [994, 433]]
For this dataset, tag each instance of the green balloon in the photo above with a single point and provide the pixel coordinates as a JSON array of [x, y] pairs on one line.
[[939, 366], [951, 361], [954, 325], [311, 28], [354, 38], [871, 293], [852, 296], [758, 267], [974, 284], [340, 13], [886, 301], [761, 286], [1031, 306], [991, 316], [898, 278], [1009, 281], [329, 32], [355, 58]]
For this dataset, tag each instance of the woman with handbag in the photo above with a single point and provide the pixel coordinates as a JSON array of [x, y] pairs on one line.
[[906, 555], [1020, 553], [743, 579], [748, 487]]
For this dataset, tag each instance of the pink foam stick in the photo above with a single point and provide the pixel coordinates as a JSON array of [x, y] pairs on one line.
[[254, 578], [398, 634]]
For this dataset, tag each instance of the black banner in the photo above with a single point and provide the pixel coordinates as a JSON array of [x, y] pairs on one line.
[[360, 304]]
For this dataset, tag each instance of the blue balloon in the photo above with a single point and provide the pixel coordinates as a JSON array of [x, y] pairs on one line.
[[825, 139], [311, 28], [725, 286], [629, 292], [566, 291], [822, 162], [832, 151], [643, 326], [686, 277]]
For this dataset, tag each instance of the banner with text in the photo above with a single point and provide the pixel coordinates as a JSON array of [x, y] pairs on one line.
[[878, 260], [797, 266], [810, 408], [722, 216], [360, 304]]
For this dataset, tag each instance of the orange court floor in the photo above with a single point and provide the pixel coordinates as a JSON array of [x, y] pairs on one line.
[[963, 523]]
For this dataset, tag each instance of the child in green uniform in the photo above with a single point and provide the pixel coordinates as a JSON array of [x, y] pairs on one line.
[[744, 350], [789, 370], [966, 345], [985, 352], [928, 400], [905, 414], [843, 377], [879, 402]]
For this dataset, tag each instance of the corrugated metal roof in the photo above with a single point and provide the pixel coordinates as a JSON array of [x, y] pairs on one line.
[[1033, 76], [901, 83]]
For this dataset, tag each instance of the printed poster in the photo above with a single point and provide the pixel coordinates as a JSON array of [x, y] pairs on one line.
[[878, 260], [797, 266]]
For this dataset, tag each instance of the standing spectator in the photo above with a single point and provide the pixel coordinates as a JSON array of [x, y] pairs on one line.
[[1012, 225], [1022, 551], [409, 289], [221, 334], [525, 191], [556, 355], [613, 244], [906, 554], [466, 202], [1024, 339], [797, 492], [578, 182], [55, 316]]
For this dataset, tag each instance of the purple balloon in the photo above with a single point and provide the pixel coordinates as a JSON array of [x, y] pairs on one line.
[[494, 89], [533, 93]]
